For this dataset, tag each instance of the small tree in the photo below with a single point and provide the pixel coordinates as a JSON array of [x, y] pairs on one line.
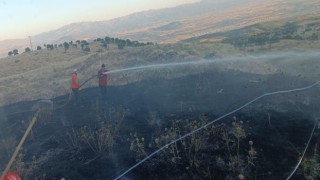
[[49, 46], [39, 48], [82, 46], [15, 52], [84, 42], [107, 39], [10, 53], [129, 43], [66, 46], [27, 49]]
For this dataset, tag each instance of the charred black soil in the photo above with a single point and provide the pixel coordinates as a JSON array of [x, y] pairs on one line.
[[137, 115]]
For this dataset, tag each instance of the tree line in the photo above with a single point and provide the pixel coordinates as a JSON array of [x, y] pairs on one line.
[[121, 43], [85, 45]]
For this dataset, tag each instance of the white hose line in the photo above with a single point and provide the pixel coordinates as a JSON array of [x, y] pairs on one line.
[[221, 117], [304, 152]]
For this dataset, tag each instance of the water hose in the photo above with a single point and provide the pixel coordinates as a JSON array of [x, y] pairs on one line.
[[304, 152], [33, 121], [210, 123], [88, 80], [23, 139]]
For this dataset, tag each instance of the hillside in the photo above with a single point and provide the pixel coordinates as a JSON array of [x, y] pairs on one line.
[[160, 92], [190, 20], [270, 36], [48, 71], [156, 94]]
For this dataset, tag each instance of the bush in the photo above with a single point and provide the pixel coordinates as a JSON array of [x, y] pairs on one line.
[[98, 141], [15, 52], [66, 46], [310, 168], [101, 139], [27, 49]]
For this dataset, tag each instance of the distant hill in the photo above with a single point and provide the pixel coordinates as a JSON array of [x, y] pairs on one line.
[[168, 27], [141, 20], [171, 25], [271, 32]]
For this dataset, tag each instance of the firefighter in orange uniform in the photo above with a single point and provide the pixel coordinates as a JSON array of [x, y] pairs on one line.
[[75, 85]]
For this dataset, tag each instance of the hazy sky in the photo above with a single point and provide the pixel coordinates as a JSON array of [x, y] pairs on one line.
[[21, 18]]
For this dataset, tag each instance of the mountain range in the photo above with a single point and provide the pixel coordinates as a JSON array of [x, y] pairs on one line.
[[172, 25]]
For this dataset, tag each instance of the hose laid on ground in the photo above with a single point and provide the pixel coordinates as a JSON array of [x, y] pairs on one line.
[[221, 117], [304, 152], [71, 93], [23, 139], [33, 121], [60, 106]]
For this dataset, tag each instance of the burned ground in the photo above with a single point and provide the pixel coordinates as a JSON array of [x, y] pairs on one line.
[[278, 125]]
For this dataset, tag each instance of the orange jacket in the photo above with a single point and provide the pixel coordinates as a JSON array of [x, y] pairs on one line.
[[103, 78], [74, 81]]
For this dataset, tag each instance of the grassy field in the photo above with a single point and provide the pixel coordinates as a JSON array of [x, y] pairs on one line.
[[46, 73]]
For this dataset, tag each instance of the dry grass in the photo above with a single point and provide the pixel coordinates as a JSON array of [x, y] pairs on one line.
[[192, 155], [45, 74], [25, 170], [39, 74]]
